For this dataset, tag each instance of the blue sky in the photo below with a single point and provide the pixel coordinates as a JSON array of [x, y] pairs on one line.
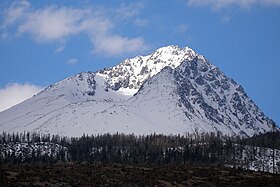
[[42, 42]]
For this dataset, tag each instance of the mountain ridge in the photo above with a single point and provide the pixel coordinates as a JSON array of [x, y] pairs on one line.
[[179, 88]]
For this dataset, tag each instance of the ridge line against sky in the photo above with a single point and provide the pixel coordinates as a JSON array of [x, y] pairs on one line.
[[42, 42]]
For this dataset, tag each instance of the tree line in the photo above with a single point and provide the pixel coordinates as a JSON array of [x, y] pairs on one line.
[[207, 149]]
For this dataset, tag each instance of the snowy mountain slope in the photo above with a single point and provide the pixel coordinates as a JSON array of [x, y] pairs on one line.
[[35, 112], [173, 90], [197, 97], [144, 113]]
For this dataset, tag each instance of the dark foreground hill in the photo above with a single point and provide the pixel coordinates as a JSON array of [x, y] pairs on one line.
[[85, 174]]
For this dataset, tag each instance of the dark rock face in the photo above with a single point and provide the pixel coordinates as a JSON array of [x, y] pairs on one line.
[[92, 84], [222, 101]]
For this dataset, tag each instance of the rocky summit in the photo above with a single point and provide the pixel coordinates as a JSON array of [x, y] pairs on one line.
[[171, 91]]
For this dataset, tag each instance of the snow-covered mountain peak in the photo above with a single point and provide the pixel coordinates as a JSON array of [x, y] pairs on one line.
[[171, 91], [129, 75]]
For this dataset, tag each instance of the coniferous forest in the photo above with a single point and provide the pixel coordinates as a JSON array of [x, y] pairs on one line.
[[205, 149], [207, 155]]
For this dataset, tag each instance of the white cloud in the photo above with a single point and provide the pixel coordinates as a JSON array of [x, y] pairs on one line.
[[15, 93], [219, 4], [15, 12], [114, 45], [55, 24], [72, 61], [51, 23]]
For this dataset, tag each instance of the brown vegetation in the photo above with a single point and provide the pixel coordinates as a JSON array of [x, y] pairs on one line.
[[86, 174]]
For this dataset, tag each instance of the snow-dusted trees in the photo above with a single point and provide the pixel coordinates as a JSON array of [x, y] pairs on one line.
[[204, 149]]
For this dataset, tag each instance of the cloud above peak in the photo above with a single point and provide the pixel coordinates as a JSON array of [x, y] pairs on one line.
[[220, 4], [115, 44], [51, 23], [54, 24]]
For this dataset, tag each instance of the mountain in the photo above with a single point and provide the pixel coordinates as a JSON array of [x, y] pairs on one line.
[[173, 90]]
